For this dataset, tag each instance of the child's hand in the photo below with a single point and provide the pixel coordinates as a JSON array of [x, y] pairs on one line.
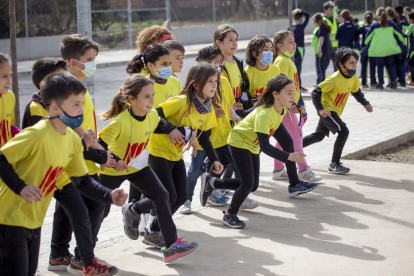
[[218, 167], [110, 162], [89, 137], [324, 113], [296, 11], [120, 166], [297, 157], [193, 144], [119, 197], [31, 192], [237, 106], [176, 137], [368, 108], [219, 113]]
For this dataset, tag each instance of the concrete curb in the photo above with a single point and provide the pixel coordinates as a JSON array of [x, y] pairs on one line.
[[386, 144]]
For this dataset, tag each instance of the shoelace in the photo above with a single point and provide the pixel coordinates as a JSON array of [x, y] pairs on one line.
[[180, 241]]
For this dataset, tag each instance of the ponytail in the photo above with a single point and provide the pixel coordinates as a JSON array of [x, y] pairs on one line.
[[369, 17], [151, 54], [132, 86], [391, 13], [318, 19], [382, 17]]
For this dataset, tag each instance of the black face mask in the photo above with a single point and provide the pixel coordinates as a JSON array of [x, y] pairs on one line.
[[347, 73]]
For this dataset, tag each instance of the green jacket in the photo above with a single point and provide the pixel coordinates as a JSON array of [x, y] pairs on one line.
[[382, 42]]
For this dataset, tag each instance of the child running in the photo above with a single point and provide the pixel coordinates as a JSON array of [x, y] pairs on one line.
[[320, 47], [8, 101], [251, 136], [330, 98], [133, 122], [226, 39], [31, 164], [285, 47]]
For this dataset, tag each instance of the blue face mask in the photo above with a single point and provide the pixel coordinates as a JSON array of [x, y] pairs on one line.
[[267, 58], [165, 72], [72, 122]]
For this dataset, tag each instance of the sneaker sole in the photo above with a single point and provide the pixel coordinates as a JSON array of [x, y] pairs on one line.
[[203, 187], [249, 208], [341, 172], [224, 222], [151, 244], [301, 192], [57, 267], [74, 271], [310, 180], [179, 255], [216, 204], [186, 212]]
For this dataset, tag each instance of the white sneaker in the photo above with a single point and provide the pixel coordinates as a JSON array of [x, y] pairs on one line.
[[186, 208], [280, 175], [308, 175], [249, 204]]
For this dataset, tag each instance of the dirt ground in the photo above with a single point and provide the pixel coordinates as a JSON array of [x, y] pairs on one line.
[[401, 154]]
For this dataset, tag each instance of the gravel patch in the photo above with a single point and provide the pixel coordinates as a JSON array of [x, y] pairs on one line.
[[402, 154]]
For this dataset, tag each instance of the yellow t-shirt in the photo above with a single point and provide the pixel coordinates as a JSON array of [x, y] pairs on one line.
[[258, 79], [234, 77], [336, 90], [37, 109], [220, 133], [175, 109], [144, 72], [7, 104], [89, 122], [39, 158], [117, 135], [288, 68], [263, 120], [165, 91]]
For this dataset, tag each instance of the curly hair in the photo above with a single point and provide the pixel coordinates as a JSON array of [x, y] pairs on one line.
[[151, 35]]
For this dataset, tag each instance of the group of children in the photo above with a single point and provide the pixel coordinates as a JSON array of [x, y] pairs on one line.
[[225, 114], [386, 42]]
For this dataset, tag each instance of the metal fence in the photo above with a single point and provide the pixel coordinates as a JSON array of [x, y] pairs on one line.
[[115, 23]]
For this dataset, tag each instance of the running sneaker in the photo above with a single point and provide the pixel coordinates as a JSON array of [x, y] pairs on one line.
[[232, 221], [249, 204], [76, 266], [186, 208], [153, 239], [301, 188], [394, 85], [308, 175], [338, 168], [380, 87], [389, 85], [206, 188], [217, 199], [280, 175], [402, 85], [304, 89], [60, 263], [96, 269], [178, 249], [131, 221], [374, 85]]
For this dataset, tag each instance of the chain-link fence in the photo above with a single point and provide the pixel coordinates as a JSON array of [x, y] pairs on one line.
[[115, 23]]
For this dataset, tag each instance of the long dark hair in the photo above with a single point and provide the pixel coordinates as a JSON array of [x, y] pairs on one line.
[[256, 44], [199, 74], [395, 17], [151, 54], [276, 83], [369, 17], [132, 87], [318, 18]]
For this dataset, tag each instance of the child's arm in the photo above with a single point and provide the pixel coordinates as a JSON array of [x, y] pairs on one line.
[[18, 186], [320, 44], [316, 100], [242, 113], [359, 96], [205, 143], [276, 153], [94, 190], [307, 16], [175, 135], [80, 131]]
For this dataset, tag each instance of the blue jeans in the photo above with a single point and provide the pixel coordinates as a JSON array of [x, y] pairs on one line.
[[194, 172]]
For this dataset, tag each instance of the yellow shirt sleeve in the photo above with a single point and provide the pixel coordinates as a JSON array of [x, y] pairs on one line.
[[283, 65], [173, 107], [111, 132], [356, 84], [328, 85], [20, 147], [36, 109]]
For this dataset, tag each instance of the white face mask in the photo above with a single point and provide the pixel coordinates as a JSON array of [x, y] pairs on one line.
[[90, 68]]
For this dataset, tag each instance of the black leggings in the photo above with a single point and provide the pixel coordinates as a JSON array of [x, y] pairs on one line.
[[19, 250], [248, 165], [156, 197], [338, 146]]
